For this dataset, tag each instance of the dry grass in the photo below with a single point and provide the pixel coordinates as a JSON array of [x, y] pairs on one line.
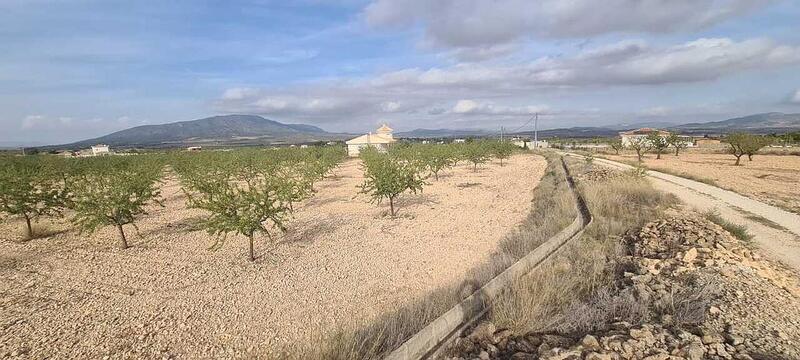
[[738, 231], [574, 291], [554, 210]]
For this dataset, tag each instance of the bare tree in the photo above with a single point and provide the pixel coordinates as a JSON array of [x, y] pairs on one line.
[[677, 142], [640, 145], [616, 144], [657, 142], [737, 143]]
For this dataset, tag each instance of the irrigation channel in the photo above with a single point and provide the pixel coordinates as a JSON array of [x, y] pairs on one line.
[[432, 339]]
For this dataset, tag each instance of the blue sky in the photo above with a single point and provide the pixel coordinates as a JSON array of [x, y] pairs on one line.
[[77, 69]]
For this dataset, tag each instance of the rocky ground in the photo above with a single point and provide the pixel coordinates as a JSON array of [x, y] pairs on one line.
[[696, 293]]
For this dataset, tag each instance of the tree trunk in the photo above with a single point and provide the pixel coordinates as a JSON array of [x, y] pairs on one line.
[[28, 229], [639, 154], [750, 157], [436, 175], [123, 242], [391, 205], [501, 161], [676, 151], [252, 254], [738, 158], [475, 167], [658, 155]]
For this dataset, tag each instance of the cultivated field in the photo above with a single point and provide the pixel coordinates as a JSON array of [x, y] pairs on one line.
[[773, 179], [342, 258]]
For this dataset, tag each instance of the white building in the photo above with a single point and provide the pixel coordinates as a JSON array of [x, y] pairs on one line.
[[627, 137], [459, 141], [100, 149], [530, 144], [381, 140]]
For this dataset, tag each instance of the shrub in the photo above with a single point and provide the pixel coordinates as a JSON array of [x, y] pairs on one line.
[[387, 177], [31, 189], [114, 192]]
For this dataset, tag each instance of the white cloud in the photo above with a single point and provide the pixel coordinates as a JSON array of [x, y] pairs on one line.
[[41, 122], [795, 98], [487, 23], [471, 107], [624, 63], [508, 89]]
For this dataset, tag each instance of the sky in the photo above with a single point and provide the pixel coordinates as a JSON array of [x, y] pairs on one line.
[[76, 69]]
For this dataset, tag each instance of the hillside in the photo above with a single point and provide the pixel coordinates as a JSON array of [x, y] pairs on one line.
[[227, 129], [759, 123]]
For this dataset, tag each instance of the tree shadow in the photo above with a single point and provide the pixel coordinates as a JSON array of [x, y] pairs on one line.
[[304, 233]]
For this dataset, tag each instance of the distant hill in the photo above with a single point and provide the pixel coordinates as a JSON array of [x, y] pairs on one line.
[[439, 133], [573, 132], [215, 130], [758, 123], [231, 130]]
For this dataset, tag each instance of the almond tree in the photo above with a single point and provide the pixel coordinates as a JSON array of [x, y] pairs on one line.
[[115, 191], [255, 206], [29, 189], [639, 144], [476, 153], [503, 150], [616, 144], [438, 157], [677, 141], [388, 177], [738, 145], [754, 144], [658, 143]]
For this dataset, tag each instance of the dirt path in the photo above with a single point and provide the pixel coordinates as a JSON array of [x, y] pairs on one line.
[[779, 240], [76, 296]]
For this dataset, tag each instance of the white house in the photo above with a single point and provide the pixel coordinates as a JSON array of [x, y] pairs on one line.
[[100, 149], [530, 144], [381, 140], [628, 137]]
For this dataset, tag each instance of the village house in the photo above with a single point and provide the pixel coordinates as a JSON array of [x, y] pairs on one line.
[[100, 149], [381, 140], [628, 137]]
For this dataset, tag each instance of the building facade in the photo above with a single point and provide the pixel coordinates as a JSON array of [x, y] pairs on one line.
[[380, 140]]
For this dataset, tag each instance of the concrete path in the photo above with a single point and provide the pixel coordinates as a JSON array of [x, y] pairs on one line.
[[779, 244]]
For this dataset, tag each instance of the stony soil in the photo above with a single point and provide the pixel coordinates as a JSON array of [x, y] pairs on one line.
[[739, 305], [770, 178], [77, 296]]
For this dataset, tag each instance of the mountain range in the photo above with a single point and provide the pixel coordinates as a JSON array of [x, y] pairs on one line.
[[231, 130], [215, 130]]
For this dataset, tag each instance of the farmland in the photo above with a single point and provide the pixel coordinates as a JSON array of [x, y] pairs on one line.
[[770, 178], [341, 257]]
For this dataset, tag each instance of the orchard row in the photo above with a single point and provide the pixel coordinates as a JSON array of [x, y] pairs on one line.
[[245, 192]]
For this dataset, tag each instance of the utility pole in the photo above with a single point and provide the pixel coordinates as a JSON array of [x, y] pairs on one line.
[[536, 131], [501, 133]]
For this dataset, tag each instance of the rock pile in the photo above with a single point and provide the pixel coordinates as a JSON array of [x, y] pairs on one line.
[[707, 297]]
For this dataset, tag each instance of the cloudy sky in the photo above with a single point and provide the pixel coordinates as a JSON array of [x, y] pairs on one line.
[[74, 69]]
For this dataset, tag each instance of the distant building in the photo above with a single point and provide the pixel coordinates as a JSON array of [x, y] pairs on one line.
[[628, 137], [194, 148], [303, 146], [707, 142], [459, 141], [530, 144], [381, 140], [100, 149]]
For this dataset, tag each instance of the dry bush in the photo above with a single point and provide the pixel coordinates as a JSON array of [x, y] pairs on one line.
[[688, 301], [581, 275]]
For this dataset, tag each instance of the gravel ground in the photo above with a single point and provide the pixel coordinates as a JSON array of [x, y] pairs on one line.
[[770, 178], [77, 296]]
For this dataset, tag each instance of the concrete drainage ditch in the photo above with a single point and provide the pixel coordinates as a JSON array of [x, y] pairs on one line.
[[431, 339]]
